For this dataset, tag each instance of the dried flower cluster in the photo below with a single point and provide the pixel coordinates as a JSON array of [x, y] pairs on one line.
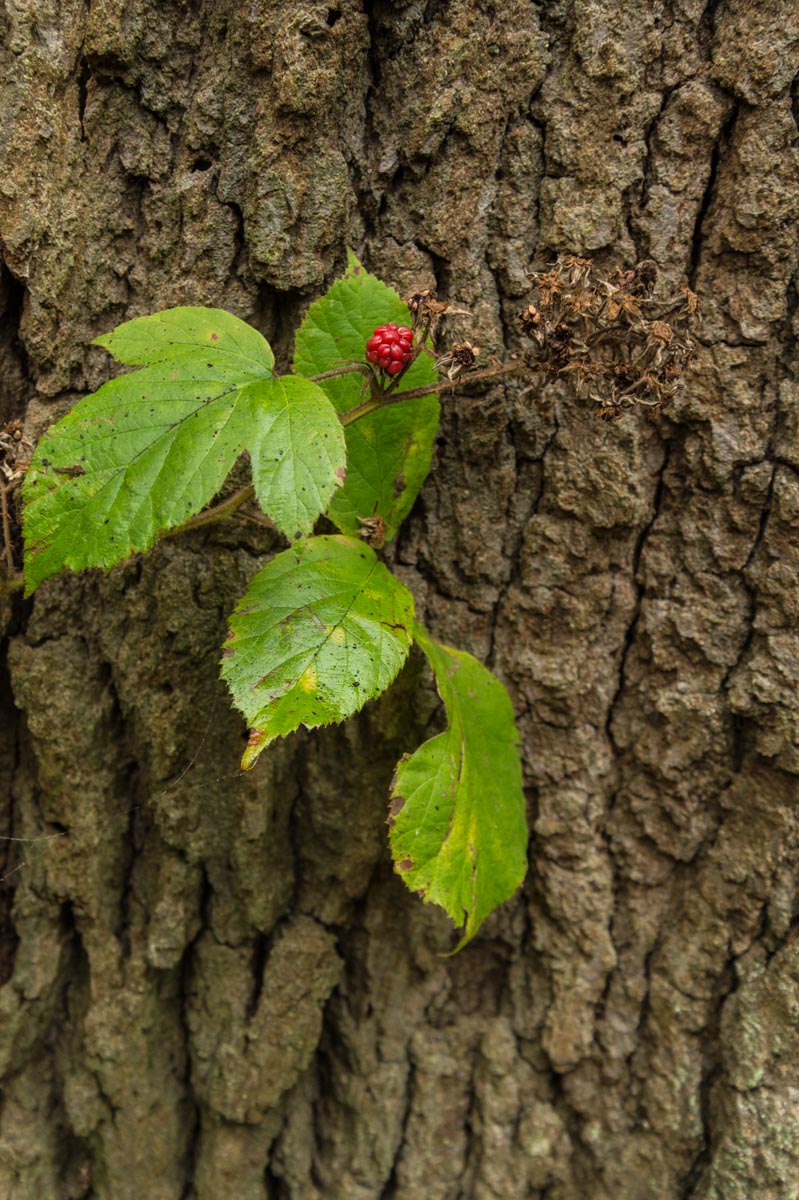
[[373, 530], [426, 310], [617, 342], [15, 454], [461, 357]]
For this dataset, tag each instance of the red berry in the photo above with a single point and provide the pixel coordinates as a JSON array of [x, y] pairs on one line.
[[390, 347]]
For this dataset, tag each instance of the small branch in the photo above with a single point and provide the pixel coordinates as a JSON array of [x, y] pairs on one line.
[[371, 405], [220, 512], [254, 518], [361, 368], [363, 410], [7, 547], [227, 508], [487, 373]]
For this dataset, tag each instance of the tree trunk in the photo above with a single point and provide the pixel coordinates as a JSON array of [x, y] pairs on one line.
[[213, 985]]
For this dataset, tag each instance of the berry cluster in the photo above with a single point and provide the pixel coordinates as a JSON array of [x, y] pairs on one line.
[[390, 347]]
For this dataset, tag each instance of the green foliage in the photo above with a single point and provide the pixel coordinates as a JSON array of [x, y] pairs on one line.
[[324, 626], [457, 816], [297, 452], [388, 452], [153, 447], [170, 335]]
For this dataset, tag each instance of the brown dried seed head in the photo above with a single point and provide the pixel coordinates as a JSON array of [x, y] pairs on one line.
[[576, 270], [373, 531], [661, 332], [647, 274], [458, 359], [691, 300], [620, 301], [549, 284], [573, 263], [465, 354], [417, 299], [425, 306], [530, 319]]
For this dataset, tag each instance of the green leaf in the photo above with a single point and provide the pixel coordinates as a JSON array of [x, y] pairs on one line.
[[167, 336], [153, 447], [297, 453], [322, 628], [457, 815], [388, 452]]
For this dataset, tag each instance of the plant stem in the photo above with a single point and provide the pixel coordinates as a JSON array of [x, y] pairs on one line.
[[9, 553], [361, 368], [371, 405], [219, 512], [227, 508]]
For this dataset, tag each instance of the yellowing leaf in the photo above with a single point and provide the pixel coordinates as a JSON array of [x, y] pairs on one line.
[[457, 816], [322, 628]]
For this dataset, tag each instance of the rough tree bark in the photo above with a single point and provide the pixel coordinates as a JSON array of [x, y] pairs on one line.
[[212, 984]]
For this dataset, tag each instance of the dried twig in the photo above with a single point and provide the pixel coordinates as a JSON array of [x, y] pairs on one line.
[[8, 550]]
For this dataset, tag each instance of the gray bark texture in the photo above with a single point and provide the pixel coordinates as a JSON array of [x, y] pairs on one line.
[[213, 984]]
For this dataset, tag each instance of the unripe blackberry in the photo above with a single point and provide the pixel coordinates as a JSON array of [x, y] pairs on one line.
[[390, 347]]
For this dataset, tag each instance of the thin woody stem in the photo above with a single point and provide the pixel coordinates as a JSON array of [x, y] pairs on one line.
[[371, 405], [9, 554], [227, 508], [220, 512], [361, 368]]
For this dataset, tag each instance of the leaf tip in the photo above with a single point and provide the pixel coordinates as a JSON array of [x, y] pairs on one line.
[[256, 744], [467, 937], [353, 263]]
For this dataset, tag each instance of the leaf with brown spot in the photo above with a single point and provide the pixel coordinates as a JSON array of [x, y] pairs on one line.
[[459, 834], [322, 628]]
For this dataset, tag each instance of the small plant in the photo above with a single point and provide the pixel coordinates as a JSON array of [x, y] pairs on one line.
[[325, 626]]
